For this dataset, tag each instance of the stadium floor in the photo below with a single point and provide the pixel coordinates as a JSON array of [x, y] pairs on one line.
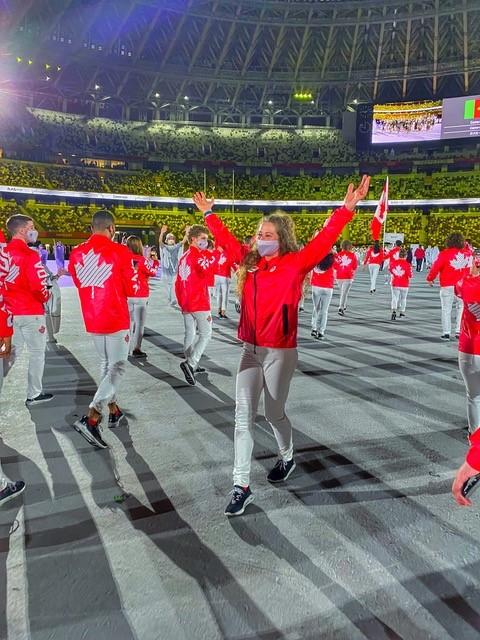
[[364, 541]]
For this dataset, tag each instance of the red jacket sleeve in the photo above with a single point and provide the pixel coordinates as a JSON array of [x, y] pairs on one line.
[[473, 454], [128, 272], [37, 278], [224, 238], [323, 242], [435, 268], [367, 256]]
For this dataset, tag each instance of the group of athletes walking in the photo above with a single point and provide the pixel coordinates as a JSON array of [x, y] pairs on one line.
[[113, 287]]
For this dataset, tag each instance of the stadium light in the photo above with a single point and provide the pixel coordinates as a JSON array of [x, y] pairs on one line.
[[19, 59], [186, 98], [355, 101], [30, 62], [270, 102], [97, 87], [157, 95]]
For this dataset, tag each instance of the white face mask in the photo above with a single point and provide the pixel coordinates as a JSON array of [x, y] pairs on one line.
[[267, 247], [32, 236], [202, 244]]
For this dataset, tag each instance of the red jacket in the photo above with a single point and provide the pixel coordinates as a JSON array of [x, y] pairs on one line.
[[272, 289], [224, 265], [195, 268], [419, 253], [25, 285], [468, 289], [324, 279], [6, 320], [374, 258], [452, 265], [393, 254], [401, 271], [145, 269], [346, 264], [103, 273]]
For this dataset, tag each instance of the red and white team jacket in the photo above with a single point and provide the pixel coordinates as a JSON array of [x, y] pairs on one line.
[[324, 279], [224, 265], [6, 319], [145, 269], [401, 271], [272, 290], [393, 254], [451, 266], [468, 289], [346, 263], [374, 258], [195, 270], [25, 285], [103, 273]]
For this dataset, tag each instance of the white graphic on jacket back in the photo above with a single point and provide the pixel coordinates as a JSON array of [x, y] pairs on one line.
[[398, 271], [13, 273], [222, 259], [461, 261], [344, 261], [184, 270], [474, 308], [91, 273]]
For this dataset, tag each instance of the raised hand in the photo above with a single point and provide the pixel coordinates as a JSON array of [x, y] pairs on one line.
[[353, 196], [163, 230], [202, 202]]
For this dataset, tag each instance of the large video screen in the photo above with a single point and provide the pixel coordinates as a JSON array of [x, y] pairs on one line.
[[426, 121]]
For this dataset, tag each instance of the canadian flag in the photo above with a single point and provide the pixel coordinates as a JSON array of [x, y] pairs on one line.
[[380, 213]]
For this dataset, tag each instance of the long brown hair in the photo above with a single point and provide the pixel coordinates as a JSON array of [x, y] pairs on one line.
[[285, 227], [135, 245]]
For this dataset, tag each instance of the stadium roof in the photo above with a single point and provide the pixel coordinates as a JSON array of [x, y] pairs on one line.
[[242, 54]]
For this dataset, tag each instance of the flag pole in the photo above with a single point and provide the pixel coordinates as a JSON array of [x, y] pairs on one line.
[[386, 216]]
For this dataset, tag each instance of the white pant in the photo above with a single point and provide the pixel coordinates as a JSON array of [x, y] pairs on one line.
[[170, 280], [113, 351], [321, 298], [447, 298], [373, 269], [137, 308], [32, 332], [344, 286], [222, 288], [399, 298], [470, 369], [268, 370], [194, 345]]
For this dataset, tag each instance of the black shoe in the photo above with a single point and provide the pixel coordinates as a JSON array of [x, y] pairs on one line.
[[200, 370], [341, 312], [402, 315], [12, 490], [138, 353], [91, 433], [394, 315], [301, 309], [281, 471], [188, 372], [43, 397], [239, 501], [114, 419], [237, 307], [446, 336], [457, 336], [319, 336], [314, 333]]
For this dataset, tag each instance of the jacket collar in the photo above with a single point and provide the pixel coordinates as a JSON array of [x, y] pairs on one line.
[[18, 244]]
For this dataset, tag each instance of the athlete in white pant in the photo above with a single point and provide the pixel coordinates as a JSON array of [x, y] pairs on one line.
[[346, 263], [401, 273], [270, 281], [468, 289], [104, 274], [374, 258], [322, 280], [222, 289], [25, 292]]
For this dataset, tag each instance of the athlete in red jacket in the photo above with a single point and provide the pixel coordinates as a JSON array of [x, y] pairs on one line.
[[270, 282], [223, 277], [25, 293], [346, 264], [8, 489], [195, 269], [145, 269], [401, 272], [322, 280], [103, 273], [374, 259], [468, 289], [452, 264]]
